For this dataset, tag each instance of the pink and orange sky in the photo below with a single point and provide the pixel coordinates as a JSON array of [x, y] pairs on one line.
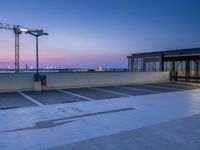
[[98, 33]]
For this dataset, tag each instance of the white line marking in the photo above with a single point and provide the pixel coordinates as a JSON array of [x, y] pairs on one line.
[[180, 85], [167, 88], [77, 95], [108, 91], [30, 98], [139, 89]]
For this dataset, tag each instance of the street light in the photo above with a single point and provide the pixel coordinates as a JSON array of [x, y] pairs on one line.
[[37, 33]]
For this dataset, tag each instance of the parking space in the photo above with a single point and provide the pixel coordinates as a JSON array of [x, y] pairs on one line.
[[48, 97], [53, 97], [153, 88], [93, 93], [178, 86], [13, 100], [125, 90]]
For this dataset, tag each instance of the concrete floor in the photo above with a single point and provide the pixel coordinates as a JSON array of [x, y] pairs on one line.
[[182, 134], [162, 120]]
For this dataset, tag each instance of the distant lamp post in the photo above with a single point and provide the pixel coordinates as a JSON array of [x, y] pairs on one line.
[[37, 33]]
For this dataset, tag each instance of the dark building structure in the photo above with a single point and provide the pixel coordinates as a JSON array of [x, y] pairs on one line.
[[183, 64]]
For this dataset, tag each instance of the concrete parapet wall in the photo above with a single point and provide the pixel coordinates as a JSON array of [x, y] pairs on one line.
[[25, 81], [70, 80], [14, 82]]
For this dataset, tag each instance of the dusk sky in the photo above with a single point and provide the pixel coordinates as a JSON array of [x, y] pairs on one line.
[[97, 33]]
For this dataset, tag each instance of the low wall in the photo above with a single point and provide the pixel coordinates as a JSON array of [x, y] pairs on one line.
[[25, 81], [70, 80], [13, 82]]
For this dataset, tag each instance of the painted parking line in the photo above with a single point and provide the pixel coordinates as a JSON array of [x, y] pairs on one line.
[[30, 98], [77, 95], [112, 92], [181, 85], [140, 89], [161, 87]]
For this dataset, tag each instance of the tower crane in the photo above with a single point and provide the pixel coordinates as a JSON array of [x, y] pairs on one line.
[[17, 29]]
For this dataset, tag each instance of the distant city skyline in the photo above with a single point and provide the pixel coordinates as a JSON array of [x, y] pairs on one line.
[[97, 33]]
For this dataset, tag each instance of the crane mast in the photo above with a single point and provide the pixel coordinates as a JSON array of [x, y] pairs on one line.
[[17, 32], [17, 29]]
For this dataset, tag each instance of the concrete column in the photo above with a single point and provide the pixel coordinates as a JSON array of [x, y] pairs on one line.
[[37, 86], [187, 69], [144, 65], [161, 62], [196, 65], [173, 66], [198, 74], [132, 64], [129, 64]]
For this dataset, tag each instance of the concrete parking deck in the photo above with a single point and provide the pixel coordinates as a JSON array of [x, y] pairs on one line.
[[150, 118], [23, 99]]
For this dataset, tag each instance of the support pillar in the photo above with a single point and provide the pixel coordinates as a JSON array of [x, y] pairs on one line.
[[187, 69], [173, 65], [161, 63], [196, 65]]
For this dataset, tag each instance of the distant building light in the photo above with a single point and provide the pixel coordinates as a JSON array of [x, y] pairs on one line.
[[99, 69]]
